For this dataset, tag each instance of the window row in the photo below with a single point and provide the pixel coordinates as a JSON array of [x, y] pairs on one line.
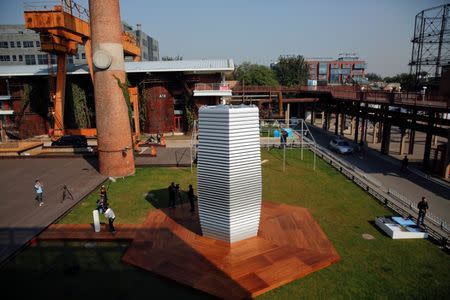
[[42, 59], [18, 44]]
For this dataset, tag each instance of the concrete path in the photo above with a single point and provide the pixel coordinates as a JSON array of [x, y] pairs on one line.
[[386, 171], [21, 218]]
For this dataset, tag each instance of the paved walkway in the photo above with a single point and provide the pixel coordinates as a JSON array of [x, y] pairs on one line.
[[20, 216], [386, 171]]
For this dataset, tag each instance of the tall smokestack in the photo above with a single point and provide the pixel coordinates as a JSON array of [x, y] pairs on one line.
[[113, 125]]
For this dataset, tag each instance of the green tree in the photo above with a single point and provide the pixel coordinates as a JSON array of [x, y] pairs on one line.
[[171, 58], [373, 77], [253, 74], [291, 70], [407, 81]]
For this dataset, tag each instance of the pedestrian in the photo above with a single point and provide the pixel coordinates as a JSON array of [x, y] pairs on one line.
[[283, 138], [109, 214], [404, 163], [422, 206], [177, 193], [39, 188], [361, 146], [101, 206], [103, 193], [66, 194], [191, 197], [172, 194]]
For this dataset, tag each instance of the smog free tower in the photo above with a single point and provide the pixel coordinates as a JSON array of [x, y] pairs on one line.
[[229, 172]]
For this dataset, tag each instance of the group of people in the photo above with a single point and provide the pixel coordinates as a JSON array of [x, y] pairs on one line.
[[103, 208], [175, 195]]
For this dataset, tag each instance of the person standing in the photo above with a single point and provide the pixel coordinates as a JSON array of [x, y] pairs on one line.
[[39, 188], [422, 206], [191, 197], [109, 214], [172, 194], [404, 163]]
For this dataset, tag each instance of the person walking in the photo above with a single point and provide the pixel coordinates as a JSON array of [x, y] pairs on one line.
[[422, 206], [39, 189], [172, 194], [109, 214], [404, 164], [191, 197]]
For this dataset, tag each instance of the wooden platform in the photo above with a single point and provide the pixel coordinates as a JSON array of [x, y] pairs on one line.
[[86, 232], [289, 245]]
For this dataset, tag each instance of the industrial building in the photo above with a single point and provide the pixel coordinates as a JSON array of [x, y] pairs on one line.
[[22, 46], [348, 68], [167, 91]]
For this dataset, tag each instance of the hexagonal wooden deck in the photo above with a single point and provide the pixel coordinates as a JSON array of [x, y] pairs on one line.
[[289, 245]]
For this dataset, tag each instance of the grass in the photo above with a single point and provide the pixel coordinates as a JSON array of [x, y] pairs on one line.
[[381, 268]]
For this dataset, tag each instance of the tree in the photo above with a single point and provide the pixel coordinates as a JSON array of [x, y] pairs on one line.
[[291, 70], [373, 77], [253, 74], [170, 58], [407, 81]]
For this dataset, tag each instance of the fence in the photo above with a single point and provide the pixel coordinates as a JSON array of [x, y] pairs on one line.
[[437, 228]]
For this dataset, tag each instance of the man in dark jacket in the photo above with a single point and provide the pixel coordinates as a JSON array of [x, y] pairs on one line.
[[422, 206], [191, 197]]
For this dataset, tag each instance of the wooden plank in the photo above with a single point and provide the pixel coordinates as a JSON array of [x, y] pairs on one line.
[[289, 245]]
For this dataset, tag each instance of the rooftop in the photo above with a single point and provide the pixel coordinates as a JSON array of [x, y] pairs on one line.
[[198, 66]]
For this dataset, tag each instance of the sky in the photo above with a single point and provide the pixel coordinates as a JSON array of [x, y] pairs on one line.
[[259, 31]]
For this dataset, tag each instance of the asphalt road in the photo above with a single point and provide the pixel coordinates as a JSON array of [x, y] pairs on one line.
[[387, 172]]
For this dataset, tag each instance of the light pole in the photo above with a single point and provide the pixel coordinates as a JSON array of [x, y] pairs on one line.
[[424, 90]]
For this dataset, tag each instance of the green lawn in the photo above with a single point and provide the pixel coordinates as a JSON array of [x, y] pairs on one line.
[[380, 268]]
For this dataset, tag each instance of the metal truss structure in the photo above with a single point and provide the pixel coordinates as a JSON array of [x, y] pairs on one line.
[[431, 43]]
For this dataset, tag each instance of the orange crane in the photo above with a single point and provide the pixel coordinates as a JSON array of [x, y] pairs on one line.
[[61, 28]]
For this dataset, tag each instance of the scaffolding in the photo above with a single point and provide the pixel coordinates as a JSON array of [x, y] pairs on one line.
[[431, 43]]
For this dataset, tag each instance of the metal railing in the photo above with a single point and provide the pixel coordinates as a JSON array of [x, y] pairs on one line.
[[212, 87], [437, 228], [68, 6]]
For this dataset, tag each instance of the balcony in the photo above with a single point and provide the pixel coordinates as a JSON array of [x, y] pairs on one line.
[[212, 89]]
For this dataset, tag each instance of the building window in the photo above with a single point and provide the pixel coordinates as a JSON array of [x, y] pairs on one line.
[[70, 59], [18, 44], [77, 56], [83, 55], [30, 59], [28, 44], [20, 58], [12, 45], [3, 44], [5, 58], [53, 59], [42, 59], [14, 58], [38, 44]]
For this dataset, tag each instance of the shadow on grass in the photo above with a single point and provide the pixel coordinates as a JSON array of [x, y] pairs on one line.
[[180, 213]]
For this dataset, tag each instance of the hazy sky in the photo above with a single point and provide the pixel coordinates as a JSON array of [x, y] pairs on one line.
[[379, 31]]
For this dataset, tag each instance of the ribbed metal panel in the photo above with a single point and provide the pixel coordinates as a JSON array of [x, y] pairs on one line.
[[201, 65], [229, 172]]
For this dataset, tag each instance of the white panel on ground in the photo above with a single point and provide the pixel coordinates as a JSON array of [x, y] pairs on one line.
[[96, 220], [229, 172]]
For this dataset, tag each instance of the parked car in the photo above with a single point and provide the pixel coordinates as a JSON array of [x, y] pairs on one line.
[[341, 146], [77, 141]]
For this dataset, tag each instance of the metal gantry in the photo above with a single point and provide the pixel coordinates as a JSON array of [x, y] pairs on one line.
[[431, 42]]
